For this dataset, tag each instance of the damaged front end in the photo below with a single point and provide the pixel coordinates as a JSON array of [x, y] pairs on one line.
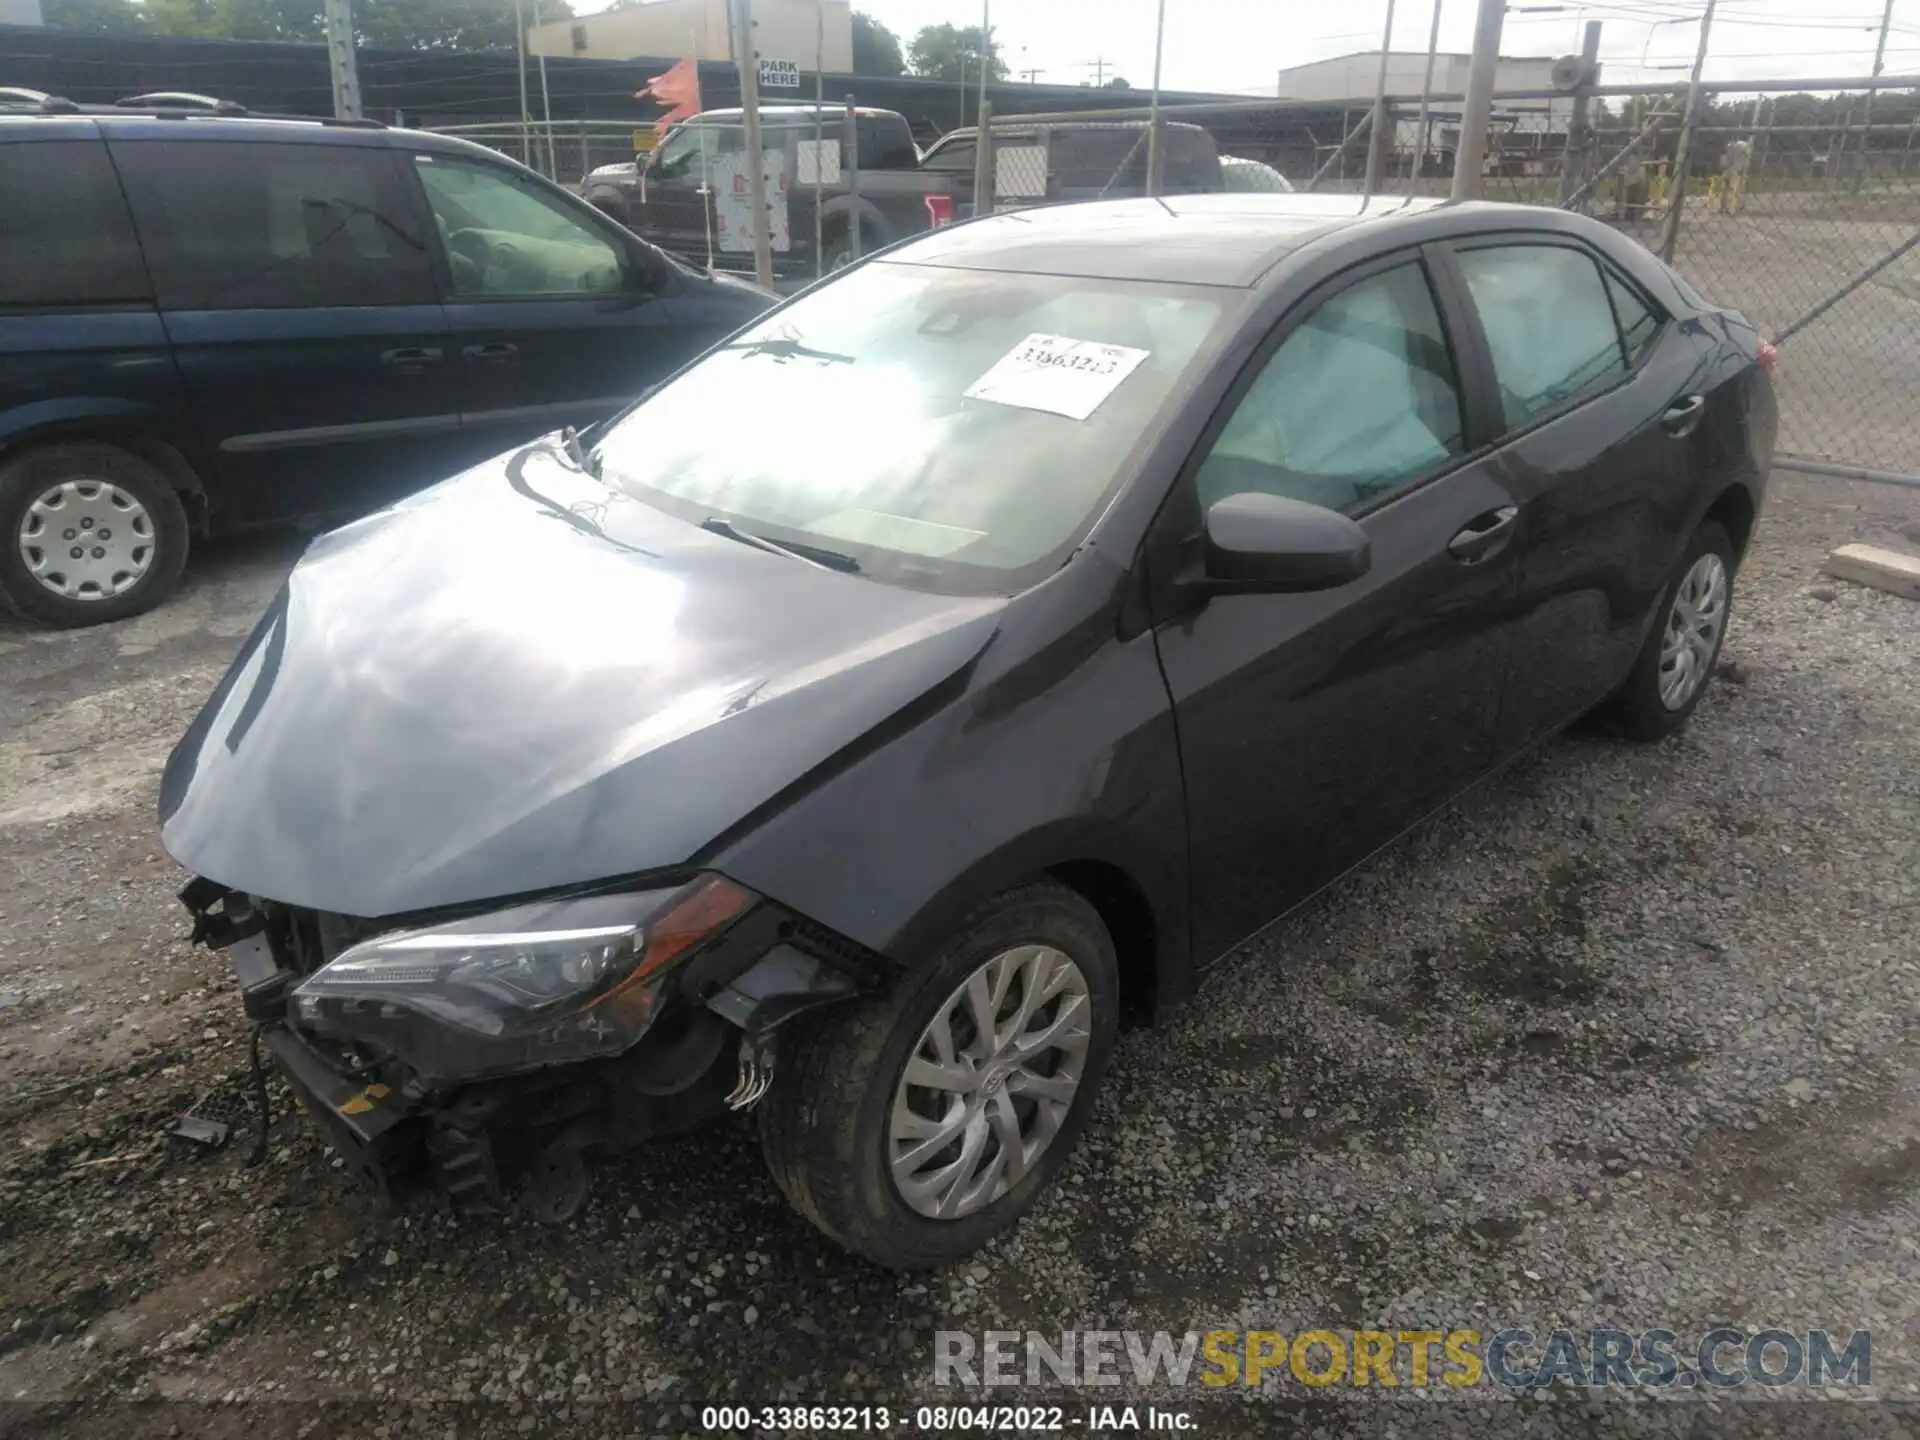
[[490, 1054]]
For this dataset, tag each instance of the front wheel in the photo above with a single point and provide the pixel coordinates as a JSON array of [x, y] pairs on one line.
[[88, 532], [1678, 659], [915, 1127]]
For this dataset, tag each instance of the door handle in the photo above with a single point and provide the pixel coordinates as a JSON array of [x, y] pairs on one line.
[[1484, 536], [495, 352], [411, 359], [1684, 415]]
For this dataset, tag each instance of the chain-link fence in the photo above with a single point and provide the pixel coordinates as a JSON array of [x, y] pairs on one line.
[[565, 151], [1801, 211]]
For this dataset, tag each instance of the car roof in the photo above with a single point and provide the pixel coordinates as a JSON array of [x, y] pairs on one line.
[[1213, 239], [158, 123]]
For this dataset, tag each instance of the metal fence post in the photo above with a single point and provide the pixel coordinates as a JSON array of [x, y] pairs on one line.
[[850, 143], [983, 160], [1682, 158], [1580, 127], [1379, 145], [584, 166]]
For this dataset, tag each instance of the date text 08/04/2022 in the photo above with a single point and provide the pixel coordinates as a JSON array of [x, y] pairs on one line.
[[945, 1419]]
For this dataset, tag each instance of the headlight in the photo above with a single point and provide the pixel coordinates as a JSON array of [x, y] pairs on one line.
[[541, 984]]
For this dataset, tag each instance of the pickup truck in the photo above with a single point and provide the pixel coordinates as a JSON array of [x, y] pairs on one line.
[[671, 197]]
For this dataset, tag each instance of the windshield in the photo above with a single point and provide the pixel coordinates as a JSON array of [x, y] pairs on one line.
[[949, 429]]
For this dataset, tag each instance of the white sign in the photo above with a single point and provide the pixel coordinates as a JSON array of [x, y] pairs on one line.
[[1059, 375], [733, 200], [779, 74], [819, 161]]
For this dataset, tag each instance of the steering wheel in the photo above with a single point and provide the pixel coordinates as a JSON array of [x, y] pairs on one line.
[[488, 262]]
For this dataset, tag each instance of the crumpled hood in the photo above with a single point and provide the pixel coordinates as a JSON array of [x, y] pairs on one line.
[[523, 678]]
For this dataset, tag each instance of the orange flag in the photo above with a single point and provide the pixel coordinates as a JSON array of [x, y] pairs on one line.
[[678, 88]]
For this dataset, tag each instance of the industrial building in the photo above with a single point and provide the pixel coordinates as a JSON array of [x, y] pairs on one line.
[[800, 32]]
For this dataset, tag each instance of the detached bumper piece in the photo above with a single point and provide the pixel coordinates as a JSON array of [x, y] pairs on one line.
[[376, 1130]]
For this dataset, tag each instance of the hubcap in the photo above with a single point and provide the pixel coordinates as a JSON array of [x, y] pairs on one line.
[[990, 1081], [86, 540], [1692, 637]]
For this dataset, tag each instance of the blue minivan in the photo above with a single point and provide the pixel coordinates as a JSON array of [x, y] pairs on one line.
[[210, 319]]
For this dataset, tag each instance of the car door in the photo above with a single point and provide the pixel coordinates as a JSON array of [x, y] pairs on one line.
[[295, 287], [1598, 395], [552, 319], [674, 204], [1315, 727]]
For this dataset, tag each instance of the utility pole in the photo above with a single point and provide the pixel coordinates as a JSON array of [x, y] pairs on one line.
[[1099, 67], [341, 64], [1879, 64], [1033, 76], [1469, 161], [1153, 105], [747, 61], [520, 43], [1580, 127], [986, 52], [1380, 139], [1683, 152], [1426, 99]]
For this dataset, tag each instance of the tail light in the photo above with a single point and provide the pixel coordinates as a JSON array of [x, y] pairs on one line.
[[1769, 355], [939, 210]]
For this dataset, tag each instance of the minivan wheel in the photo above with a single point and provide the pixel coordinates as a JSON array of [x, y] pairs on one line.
[[88, 532], [917, 1125], [1677, 662]]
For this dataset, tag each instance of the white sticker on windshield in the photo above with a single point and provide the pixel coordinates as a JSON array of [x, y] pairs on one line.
[[1058, 375]]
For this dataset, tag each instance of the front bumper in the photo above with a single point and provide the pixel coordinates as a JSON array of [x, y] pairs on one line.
[[372, 1126]]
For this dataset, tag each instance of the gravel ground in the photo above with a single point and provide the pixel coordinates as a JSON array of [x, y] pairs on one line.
[[1625, 1037]]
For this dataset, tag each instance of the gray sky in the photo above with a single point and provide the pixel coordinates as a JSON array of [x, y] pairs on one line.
[[1239, 45]]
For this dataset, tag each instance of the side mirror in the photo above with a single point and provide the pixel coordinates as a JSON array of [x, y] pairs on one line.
[[1267, 544]]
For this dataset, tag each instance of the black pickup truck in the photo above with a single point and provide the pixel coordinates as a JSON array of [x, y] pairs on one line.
[[676, 196]]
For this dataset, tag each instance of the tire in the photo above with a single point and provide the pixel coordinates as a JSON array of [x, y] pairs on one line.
[[1646, 706], [827, 1124], [109, 485], [836, 240]]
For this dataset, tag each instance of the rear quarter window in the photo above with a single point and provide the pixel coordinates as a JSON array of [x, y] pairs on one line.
[[65, 236], [230, 225]]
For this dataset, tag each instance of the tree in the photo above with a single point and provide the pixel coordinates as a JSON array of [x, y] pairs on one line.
[[399, 24], [946, 52], [97, 17], [876, 49], [1119, 82]]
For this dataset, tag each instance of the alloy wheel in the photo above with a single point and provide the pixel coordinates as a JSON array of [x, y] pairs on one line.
[[990, 1082], [1693, 626], [86, 540]]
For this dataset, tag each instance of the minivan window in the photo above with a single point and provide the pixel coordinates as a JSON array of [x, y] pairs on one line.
[[238, 225], [65, 238], [1548, 324], [505, 236]]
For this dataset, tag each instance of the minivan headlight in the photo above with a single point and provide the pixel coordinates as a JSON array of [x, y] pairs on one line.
[[548, 983]]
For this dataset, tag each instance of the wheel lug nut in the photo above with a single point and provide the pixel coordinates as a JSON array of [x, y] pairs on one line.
[[68, 533], [87, 524], [106, 534], [99, 552]]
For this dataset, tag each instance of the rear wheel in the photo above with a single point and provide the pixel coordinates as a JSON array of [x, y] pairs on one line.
[[1677, 661], [837, 242], [917, 1126], [88, 532]]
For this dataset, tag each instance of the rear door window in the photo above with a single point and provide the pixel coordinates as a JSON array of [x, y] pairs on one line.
[[1549, 325], [245, 225], [65, 236]]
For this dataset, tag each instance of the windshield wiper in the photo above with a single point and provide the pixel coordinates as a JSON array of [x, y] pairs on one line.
[[575, 450], [787, 350], [811, 554]]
